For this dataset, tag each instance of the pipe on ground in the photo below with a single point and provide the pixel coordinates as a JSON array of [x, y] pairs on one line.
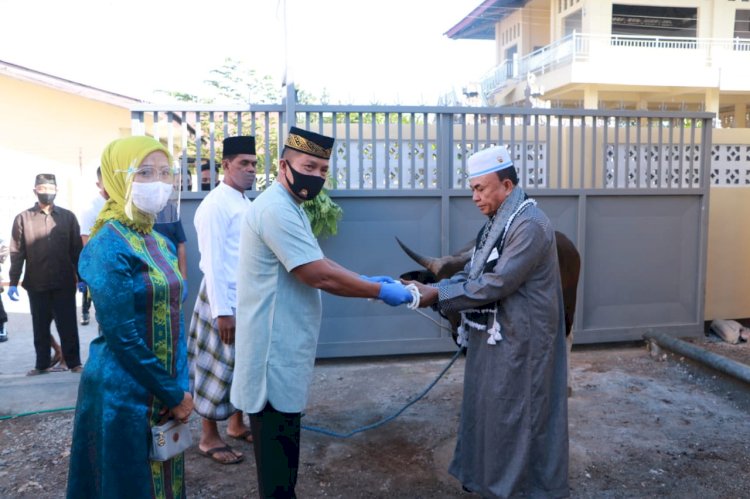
[[718, 362]]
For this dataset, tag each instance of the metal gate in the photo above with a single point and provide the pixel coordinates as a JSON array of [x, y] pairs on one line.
[[629, 188]]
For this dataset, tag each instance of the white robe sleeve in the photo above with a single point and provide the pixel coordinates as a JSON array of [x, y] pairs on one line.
[[212, 226]]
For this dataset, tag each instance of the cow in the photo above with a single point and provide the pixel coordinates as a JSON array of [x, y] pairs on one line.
[[437, 269]]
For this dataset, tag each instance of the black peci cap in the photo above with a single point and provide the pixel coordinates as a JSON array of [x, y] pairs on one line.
[[310, 143], [45, 178], [243, 144]]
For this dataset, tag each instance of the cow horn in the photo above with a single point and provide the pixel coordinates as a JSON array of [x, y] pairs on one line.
[[442, 267]]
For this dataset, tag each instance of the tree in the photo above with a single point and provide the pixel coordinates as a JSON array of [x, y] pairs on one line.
[[235, 83]]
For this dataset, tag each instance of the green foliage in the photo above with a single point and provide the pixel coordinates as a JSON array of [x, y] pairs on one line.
[[324, 215], [236, 83]]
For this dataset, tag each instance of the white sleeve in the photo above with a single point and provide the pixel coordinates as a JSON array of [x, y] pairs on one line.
[[211, 225], [86, 220]]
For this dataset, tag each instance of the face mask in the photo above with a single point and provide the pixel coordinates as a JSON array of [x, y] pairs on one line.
[[205, 186], [305, 186], [151, 197], [45, 198]]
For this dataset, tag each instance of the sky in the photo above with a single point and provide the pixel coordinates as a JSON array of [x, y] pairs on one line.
[[359, 52]]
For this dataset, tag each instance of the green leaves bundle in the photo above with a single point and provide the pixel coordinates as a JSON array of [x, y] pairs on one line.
[[324, 215]]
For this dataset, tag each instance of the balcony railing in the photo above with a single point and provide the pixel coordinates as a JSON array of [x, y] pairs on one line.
[[580, 46]]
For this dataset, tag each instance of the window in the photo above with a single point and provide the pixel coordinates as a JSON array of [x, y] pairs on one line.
[[573, 22], [511, 61], [643, 20], [742, 24]]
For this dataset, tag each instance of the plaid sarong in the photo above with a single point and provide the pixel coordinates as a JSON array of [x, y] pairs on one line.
[[211, 363]]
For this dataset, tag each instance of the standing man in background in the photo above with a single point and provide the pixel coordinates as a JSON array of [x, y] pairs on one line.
[[87, 219], [206, 176], [3, 316], [211, 339], [47, 240], [174, 231]]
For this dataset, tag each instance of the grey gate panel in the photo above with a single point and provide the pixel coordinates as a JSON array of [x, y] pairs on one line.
[[641, 253], [629, 188], [366, 244]]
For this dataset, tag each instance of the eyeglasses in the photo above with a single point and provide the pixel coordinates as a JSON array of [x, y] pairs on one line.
[[152, 173]]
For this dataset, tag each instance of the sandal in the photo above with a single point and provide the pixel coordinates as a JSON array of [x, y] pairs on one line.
[[211, 453], [36, 372]]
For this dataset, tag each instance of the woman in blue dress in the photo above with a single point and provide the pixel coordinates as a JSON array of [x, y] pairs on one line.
[[136, 375]]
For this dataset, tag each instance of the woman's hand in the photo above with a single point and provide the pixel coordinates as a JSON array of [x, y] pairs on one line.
[[182, 412]]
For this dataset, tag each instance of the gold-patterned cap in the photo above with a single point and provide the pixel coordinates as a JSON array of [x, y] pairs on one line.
[[310, 143]]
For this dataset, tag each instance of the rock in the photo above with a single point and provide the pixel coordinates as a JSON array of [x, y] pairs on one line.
[[727, 330], [29, 485]]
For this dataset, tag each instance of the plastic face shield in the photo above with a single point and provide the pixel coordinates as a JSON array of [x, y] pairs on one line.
[[154, 191]]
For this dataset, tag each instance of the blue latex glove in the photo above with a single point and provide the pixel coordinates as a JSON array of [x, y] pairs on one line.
[[82, 286], [184, 291], [378, 278], [13, 293], [394, 294]]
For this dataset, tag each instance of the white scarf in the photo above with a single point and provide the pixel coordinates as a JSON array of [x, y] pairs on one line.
[[496, 229]]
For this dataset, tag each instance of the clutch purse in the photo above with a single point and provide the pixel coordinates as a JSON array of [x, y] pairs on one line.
[[170, 439]]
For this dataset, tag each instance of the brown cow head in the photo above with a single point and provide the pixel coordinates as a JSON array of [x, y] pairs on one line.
[[437, 269]]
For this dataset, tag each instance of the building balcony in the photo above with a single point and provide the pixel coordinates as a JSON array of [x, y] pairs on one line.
[[622, 60]]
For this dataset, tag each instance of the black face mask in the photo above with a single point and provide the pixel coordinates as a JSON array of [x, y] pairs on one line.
[[45, 198], [305, 186], [205, 186]]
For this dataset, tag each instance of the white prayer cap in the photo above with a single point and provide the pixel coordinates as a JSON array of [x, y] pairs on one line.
[[488, 160]]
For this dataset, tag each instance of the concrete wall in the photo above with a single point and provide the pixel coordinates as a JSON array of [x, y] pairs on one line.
[[45, 130]]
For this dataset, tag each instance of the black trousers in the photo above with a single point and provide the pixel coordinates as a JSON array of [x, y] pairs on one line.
[[276, 447], [86, 301], [59, 305], [3, 315]]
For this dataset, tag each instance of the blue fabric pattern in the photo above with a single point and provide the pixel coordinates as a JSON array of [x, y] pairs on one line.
[[137, 367]]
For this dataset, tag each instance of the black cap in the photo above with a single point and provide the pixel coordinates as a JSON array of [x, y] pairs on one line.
[[243, 144], [310, 143], [45, 178]]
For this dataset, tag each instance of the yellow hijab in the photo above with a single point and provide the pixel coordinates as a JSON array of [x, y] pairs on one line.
[[119, 161]]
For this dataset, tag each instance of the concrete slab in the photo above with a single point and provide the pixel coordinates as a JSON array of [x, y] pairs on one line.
[[20, 393]]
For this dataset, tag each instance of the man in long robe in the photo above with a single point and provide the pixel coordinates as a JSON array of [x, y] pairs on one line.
[[513, 432]]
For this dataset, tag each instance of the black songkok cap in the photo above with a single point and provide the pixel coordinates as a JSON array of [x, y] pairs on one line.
[[243, 144], [45, 178], [310, 143]]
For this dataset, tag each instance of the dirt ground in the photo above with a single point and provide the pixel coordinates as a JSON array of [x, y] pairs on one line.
[[639, 427]]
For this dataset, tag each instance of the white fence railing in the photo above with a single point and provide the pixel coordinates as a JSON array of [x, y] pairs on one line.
[[425, 148], [581, 46]]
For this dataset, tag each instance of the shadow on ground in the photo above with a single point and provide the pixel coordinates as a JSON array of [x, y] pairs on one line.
[[639, 427]]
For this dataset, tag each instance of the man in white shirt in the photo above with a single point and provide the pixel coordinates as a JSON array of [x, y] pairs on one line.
[[211, 338], [87, 220]]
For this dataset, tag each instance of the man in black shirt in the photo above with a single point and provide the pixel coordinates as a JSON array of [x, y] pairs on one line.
[[3, 316], [46, 238]]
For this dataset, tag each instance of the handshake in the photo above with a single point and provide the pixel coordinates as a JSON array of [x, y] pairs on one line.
[[395, 293]]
